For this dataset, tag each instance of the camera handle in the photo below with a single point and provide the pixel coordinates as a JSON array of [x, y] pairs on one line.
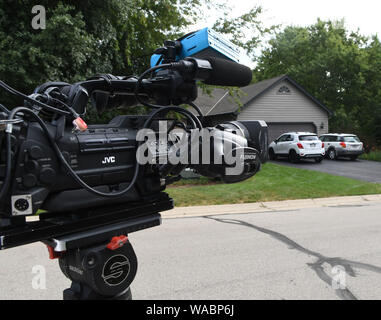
[[101, 262]]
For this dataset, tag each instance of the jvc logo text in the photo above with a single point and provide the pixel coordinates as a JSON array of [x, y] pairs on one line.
[[108, 160]]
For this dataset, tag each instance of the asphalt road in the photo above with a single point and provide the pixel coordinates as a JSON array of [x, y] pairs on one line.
[[364, 170], [321, 253]]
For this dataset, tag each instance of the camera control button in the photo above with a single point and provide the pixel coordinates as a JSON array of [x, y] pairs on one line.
[[36, 152], [47, 176], [31, 166], [29, 180]]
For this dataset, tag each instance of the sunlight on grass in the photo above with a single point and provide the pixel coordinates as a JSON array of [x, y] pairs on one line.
[[272, 183]]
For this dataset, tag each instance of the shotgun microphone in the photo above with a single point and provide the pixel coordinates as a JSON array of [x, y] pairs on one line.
[[215, 71]]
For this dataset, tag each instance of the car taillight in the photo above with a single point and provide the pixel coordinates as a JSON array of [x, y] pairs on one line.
[[322, 144], [300, 146], [343, 144]]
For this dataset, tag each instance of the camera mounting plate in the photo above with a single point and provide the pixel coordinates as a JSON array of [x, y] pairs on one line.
[[130, 216]]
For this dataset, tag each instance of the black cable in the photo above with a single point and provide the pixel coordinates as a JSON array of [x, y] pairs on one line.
[[4, 109], [139, 82], [73, 112], [195, 121], [161, 108], [185, 112], [61, 158], [176, 124], [198, 110], [8, 163], [138, 85], [42, 105]]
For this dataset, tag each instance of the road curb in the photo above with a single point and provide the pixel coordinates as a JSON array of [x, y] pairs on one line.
[[272, 206]]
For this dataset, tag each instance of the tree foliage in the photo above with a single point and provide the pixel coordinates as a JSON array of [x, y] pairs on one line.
[[86, 37], [342, 69]]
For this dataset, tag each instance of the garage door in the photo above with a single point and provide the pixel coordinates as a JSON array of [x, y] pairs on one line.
[[276, 129]]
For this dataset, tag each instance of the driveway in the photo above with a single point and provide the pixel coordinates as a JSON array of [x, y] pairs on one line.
[[369, 171]]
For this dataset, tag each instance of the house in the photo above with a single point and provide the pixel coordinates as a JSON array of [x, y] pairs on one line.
[[280, 101]]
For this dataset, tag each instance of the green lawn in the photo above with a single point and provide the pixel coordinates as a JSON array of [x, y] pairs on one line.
[[273, 182], [373, 156]]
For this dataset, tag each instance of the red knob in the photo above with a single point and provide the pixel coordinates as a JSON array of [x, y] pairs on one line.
[[117, 242]]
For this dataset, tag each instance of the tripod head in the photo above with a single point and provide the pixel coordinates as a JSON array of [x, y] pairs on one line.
[[103, 269]]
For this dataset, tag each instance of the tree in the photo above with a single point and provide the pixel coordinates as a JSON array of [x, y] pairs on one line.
[[86, 37], [371, 104], [339, 67]]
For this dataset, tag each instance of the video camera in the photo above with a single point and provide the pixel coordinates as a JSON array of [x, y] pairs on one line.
[[91, 185]]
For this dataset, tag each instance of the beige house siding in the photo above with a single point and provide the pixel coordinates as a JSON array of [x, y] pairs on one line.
[[292, 107]]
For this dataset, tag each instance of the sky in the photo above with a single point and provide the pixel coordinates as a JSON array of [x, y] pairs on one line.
[[364, 15]]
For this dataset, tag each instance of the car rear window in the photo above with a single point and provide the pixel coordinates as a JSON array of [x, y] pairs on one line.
[[350, 139], [308, 138]]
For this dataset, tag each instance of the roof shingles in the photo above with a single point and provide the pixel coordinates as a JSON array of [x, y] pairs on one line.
[[221, 102]]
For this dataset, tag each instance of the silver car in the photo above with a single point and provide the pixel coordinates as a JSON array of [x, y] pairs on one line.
[[342, 145]]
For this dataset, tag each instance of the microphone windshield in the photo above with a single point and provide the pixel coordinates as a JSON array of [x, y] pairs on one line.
[[228, 73]]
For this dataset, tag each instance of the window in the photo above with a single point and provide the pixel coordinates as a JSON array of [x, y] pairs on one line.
[[329, 139], [350, 139], [286, 137], [283, 138], [284, 90], [289, 138], [308, 138]]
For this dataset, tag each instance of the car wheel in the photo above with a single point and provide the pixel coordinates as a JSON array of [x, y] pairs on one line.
[[332, 154], [319, 159], [293, 157], [272, 154], [353, 158]]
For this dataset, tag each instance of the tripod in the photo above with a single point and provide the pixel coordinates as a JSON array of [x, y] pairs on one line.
[[101, 262]]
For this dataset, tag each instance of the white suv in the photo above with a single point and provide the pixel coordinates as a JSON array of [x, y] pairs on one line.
[[296, 146], [342, 145]]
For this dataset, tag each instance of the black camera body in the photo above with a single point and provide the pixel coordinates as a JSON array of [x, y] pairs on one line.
[[104, 157]]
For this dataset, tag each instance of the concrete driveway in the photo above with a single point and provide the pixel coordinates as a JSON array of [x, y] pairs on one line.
[[369, 171]]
